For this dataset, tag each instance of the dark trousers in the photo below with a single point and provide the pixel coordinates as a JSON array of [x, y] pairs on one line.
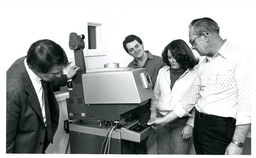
[[212, 134], [129, 147]]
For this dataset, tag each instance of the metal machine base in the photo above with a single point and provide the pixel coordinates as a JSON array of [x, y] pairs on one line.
[[86, 138]]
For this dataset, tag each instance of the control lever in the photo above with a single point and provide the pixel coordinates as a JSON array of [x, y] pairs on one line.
[[66, 125]]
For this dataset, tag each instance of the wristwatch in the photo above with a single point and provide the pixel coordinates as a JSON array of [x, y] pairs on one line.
[[239, 144]]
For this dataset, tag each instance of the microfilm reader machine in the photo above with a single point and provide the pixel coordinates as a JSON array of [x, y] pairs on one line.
[[99, 105]]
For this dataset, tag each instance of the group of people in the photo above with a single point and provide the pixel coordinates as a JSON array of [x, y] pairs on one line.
[[208, 100]]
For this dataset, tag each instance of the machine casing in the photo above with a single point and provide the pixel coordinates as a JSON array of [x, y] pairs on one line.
[[99, 105], [109, 93]]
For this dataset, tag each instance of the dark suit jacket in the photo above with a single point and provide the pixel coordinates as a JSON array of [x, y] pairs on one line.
[[25, 129]]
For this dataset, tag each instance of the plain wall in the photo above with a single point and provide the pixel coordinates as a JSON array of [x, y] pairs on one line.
[[157, 22]]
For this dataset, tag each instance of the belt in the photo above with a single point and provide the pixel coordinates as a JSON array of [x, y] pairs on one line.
[[211, 117]]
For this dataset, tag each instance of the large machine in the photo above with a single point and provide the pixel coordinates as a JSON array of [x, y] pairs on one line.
[[100, 104]]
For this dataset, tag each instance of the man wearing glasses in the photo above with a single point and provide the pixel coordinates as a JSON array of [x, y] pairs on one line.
[[221, 93]]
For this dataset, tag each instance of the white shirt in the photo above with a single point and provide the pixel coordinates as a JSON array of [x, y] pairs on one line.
[[222, 87], [164, 98], [36, 81]]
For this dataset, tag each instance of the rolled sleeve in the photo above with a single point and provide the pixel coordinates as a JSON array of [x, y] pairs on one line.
[[179, 111], [243, 80], [243, 117], [191, 118]]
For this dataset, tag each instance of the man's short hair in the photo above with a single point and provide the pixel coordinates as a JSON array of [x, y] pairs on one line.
[[44, 54], [129, 39]]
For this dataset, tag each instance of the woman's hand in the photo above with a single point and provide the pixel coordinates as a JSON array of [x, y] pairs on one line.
[[187, 132]]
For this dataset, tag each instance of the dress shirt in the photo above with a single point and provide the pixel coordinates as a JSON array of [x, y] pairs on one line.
[[164, 98], [36, 81], [222, 86]]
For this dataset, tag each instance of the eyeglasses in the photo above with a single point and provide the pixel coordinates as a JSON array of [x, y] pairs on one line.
[[192, 42]]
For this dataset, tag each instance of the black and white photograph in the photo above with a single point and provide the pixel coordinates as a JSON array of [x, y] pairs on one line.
[[128, 77]]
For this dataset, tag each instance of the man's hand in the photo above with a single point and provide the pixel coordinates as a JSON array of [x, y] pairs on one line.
[[155, 120], [232, 149], [169, 117], [72, 71], [240, 134]]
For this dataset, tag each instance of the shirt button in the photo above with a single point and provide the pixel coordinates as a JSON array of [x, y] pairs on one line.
[[41, 143]]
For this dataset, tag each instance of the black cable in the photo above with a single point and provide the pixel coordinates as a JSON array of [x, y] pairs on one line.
[[67, 147]]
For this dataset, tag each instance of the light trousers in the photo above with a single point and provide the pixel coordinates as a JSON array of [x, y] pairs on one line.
[[169, 138]]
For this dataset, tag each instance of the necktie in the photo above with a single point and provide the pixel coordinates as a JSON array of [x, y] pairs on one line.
[[47, 112]]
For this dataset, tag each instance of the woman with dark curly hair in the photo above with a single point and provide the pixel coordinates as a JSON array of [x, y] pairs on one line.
[[172, 82]]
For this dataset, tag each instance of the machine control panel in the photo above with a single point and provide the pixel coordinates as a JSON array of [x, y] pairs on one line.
[[138, 127], [135, 131]]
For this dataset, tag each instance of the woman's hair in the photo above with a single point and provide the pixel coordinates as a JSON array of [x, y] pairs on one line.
[[181, 52], [43, 55], [129, 39]]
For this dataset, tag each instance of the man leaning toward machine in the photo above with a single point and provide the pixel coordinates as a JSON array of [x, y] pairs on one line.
[[221, 92], [32, 111]]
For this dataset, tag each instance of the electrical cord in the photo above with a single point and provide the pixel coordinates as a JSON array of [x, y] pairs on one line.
[[107, 148], [103, 143], [107, 141], [67, 148]]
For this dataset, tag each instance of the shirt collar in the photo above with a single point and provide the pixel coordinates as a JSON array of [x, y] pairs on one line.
[[149, 56], [223, 52], [31, 74]]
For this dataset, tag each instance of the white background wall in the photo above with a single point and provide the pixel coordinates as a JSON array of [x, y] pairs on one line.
[[157, 22]]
